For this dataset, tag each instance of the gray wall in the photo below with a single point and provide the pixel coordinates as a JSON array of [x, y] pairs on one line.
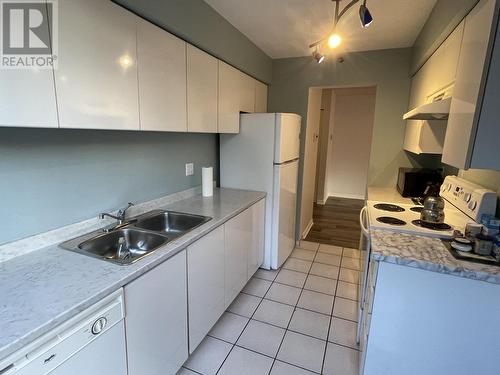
[[445, 16], [196, 22], [386, 69], [53, 177]]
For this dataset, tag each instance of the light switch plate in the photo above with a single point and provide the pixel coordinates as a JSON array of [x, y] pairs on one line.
[[189, 169]]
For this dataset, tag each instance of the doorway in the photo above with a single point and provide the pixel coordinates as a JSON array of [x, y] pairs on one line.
[[336, 165]]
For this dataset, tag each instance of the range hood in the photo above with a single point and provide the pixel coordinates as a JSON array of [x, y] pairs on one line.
[[437, 110]]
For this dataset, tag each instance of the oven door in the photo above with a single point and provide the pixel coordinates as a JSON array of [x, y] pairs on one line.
[[364, 260]]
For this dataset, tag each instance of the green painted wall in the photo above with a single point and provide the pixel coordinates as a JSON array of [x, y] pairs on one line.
[[199, 24], [54, 177]]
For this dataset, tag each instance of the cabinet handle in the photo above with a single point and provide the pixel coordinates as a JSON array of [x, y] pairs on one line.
[[47, 360]]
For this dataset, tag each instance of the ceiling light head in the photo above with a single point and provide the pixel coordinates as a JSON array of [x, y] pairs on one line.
[[365, 16], [318, 56], [334, 40]]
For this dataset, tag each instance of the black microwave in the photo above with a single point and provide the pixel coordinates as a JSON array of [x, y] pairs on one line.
[[412, 182]]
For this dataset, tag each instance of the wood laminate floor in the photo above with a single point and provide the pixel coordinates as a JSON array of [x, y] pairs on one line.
[[337, 222]]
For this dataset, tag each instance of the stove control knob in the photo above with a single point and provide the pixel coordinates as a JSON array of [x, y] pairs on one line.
[[444, 187], [472, 205], [467, 197]]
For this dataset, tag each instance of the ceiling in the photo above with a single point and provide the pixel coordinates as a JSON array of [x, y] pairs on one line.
[[285, 28]]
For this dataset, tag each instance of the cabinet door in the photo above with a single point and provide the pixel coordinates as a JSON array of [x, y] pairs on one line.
[[238, 244], [156, 319], [202, 81], [260, 97], [256, 256], [205, 260], [96, 79], [229, 98], [247, 93], [28, 97], [460, 131], [162, 79]]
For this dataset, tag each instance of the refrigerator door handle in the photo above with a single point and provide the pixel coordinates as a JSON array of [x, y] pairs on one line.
[[287, 162]]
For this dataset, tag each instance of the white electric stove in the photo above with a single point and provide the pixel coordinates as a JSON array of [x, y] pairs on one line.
[[464, 202]]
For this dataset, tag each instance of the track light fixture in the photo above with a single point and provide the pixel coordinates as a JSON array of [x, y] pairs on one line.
[[334, 39], [318, 56], [365, 16]]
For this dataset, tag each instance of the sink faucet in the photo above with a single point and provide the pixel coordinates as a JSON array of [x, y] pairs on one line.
[[119, 217]]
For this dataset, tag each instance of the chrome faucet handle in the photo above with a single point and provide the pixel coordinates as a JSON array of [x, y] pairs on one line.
[[123, 211]]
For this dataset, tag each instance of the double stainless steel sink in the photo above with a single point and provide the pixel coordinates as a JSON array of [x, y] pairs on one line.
[[135, 238]]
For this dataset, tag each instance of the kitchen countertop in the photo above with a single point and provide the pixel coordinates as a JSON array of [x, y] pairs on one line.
[[44, 288], [426, 253], [386, 194]]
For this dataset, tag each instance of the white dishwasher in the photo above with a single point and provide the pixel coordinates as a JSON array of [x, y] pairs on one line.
[[92, 343]]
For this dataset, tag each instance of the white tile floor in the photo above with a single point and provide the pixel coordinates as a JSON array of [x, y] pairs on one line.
[[298, 320]]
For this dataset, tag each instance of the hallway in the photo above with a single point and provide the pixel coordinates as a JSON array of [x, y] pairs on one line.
[[337, 222]]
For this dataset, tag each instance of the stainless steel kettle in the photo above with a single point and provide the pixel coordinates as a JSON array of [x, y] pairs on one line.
[[433, 212]]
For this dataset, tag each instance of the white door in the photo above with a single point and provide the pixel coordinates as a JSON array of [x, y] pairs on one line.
[[310, 160], [205, 260], [256, 257], [284, 210], [237, 246], [96, 78], [156, 319], [287, 134], [202, 87], [162, 79], [28, 96]]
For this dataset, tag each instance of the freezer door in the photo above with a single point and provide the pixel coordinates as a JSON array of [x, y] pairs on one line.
[[284, 211], [287, 137]]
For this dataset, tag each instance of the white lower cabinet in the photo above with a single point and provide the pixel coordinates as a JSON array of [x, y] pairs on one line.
[[156, 319], [256, 255], [205, 264], [238, 244]]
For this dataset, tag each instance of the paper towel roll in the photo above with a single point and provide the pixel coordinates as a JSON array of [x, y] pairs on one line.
[[207, 181]]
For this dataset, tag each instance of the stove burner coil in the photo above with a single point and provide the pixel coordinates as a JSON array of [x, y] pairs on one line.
[[439, 227], [389, 207], [390, 220]]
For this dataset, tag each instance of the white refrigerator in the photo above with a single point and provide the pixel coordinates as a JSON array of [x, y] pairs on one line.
[[264, 156]]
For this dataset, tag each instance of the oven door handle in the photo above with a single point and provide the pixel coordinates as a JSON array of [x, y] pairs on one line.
[[362, 213]]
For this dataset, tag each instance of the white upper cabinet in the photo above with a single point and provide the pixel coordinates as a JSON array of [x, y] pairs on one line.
[[236, 94], [436, 74], [247, 93], [473, 131], [229, 98], [202, 81], [96, 79], [260, 97], [162, 79], [27, 97]]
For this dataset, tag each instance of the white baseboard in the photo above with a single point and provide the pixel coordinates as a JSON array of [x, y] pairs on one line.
[[307, 230], [349, 196], [321, 202]]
